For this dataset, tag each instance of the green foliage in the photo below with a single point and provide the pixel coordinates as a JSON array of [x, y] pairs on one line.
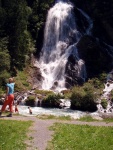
[[30, 101], [43, 92], [3, 76], [15, 26], [104, 103], [21, 83], [38, 17], [4, 60], [19, 22], [97, 83], [66, 93], [52, 100], [84, 98]]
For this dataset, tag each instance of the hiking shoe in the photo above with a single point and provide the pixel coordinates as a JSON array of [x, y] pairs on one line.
[[10, 115]]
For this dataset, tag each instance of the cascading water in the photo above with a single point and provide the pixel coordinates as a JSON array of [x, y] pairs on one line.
[[60, 39]]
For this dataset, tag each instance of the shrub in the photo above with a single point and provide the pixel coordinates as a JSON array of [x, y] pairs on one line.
[[84, 98], [66, 93], [77, 97], [104, 103], [97, 82], [52, 100], [30, 101]]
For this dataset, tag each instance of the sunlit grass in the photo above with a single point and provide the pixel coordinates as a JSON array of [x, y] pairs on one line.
[[90, 119], [107, 120], [54, 117], [81, 137], [87, 118], [13, 134]]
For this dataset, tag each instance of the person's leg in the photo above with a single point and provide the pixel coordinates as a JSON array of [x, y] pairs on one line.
[[11, 99], [4, 106]]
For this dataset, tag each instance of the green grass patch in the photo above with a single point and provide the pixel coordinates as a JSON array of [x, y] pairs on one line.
[[13, 134], [107, 120], [81, 137], [87, 118], [54, 117]]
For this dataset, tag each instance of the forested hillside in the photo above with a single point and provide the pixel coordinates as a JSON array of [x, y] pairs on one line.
[[20, 23]]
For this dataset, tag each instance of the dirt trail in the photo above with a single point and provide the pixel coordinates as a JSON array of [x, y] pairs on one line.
[[40, 133]]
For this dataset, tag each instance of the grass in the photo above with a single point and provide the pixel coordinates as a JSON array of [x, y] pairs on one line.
[[87, 118], [107, 120], [54, 117], [81, 137], [13, 134], [90, 119]]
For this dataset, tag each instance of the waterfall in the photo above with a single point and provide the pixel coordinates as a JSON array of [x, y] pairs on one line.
[[60, 39]]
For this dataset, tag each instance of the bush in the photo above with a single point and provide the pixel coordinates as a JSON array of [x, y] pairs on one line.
[[67, 93], [98, 82], [52, 101], [104, 103], [84, 98], [3, 76], [30, 101], [77, 97]]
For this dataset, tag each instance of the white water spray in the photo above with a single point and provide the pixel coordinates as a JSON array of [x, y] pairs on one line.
[[60, 31]]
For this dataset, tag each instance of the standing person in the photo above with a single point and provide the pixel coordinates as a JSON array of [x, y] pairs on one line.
[[16, 108], [9, 97]]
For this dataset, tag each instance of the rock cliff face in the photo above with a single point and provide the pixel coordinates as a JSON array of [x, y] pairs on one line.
[[95, 46], [96, 50], [102, 14]]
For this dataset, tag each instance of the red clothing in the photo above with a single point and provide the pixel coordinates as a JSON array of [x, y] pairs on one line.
[[9, 102], [16, 109]]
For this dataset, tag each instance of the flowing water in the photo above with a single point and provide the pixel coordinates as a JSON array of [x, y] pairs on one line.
[[36, 111], [60, 39]]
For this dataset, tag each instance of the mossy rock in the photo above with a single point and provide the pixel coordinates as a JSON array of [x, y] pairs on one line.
[[30, 101]]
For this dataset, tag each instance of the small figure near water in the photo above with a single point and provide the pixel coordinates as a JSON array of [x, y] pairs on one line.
[[16, 108], [30, 111]]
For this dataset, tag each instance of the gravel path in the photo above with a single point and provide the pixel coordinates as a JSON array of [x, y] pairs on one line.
[[40, 133]]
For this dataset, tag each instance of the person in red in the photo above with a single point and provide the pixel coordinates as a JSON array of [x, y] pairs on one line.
[[9, 97]]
